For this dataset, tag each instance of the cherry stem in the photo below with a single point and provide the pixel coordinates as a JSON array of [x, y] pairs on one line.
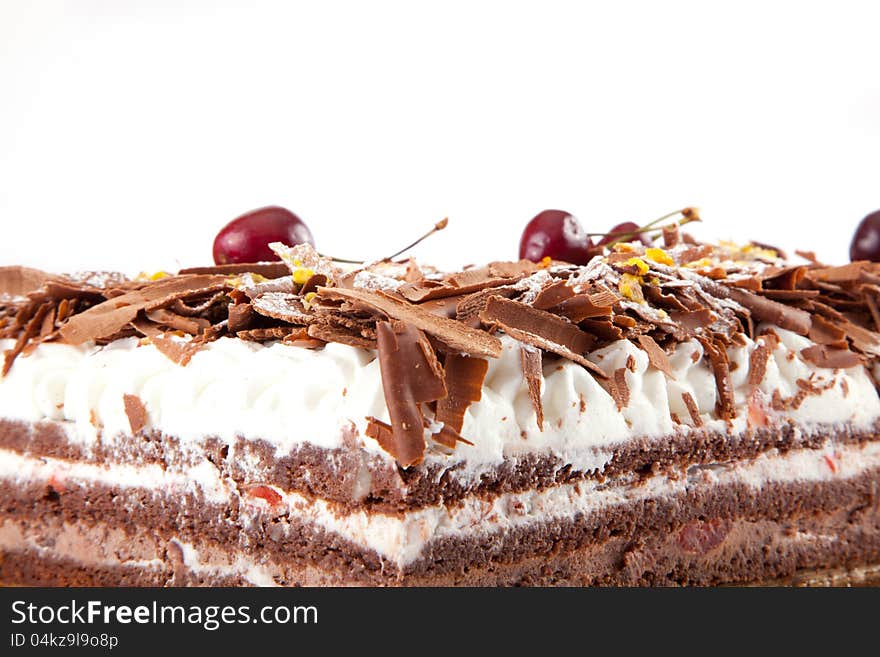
[[440, 225], [688, 215], [345, 260]]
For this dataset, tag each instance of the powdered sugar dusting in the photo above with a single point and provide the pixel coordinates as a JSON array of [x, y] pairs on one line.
[[367, 280]]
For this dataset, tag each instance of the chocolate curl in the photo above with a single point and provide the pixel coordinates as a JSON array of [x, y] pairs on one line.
[[411, 375], [721, 369], [241, 317], [267, 269], [464, 282], [763, 309], [191, 325], [822, 355], [18, 281], [464, 384], [619, 388], [31, 330], [135, 411], [541, 329], [848, 273], [758, 363], [552, 295], [656, 356], [533, 372], [111, 316], [454, 334]]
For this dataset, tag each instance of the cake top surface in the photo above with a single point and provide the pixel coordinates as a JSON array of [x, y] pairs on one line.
[[434, 331]]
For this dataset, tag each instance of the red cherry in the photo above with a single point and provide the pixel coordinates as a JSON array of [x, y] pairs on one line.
[[265, 493], [626, 227], [246, 239], [556, 234], [866, 241]]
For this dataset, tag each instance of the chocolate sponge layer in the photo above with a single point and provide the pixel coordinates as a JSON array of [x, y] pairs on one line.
[[336, 475], [709, 534]]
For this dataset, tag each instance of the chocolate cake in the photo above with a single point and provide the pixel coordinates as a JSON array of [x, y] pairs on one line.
[[691, 414]]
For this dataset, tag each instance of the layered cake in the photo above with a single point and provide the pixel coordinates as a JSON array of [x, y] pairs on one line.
[[681, 413]]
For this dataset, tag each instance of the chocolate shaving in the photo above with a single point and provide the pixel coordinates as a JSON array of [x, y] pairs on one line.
[[870, 294], [444, 307], [849, 272], [784, 279], [541, 329], [822, 355], [18, 281], [668, 302], [758, 363], [472, 305], [270, 333], [191, 325], [60, 289], [552, 295], [98, 321], [462, 283], [694, 253], [241, 317], [178, 352], [692, 408], [265, 269], [66, 307], [721, 369], [284, 306], [31, 330], [693, 321], [213, 332], [602, 329], [448, 437], [581, 307], [789, 295], [469, 280], [382, 433], [656, 356], [113, 315], [825, 332], [619, 388], [48, 325], [329, 333], [512, 269], [868, 342], [299, 337], [283, 284], [146, 328], [452, 333], [413, 271], [192, 289], [136, 412], [765, 310], [411, 375], [533, 373], [182, 308], [463, 377], [752, 283], [809, 256], [364, 327]]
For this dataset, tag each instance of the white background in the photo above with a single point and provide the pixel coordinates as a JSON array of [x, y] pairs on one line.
[[130, 132]]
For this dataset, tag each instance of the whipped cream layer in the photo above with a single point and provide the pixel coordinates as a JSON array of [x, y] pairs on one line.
[[288, 396], [403, 539]]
